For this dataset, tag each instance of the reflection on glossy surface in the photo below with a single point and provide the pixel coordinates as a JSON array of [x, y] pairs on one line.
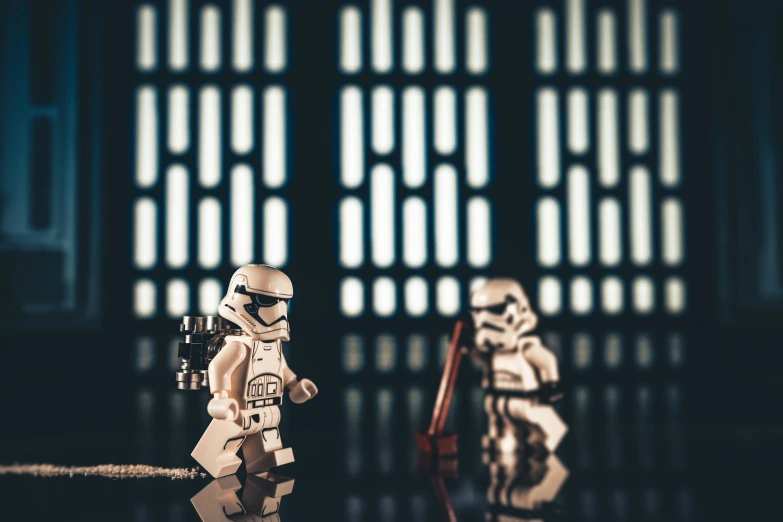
[[524, 486], [219, 501]]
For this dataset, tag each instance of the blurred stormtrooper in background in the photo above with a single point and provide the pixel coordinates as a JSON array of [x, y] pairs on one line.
[[520, 375]]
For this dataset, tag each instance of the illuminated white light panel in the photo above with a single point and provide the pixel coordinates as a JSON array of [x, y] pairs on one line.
[[179, 55], [177, 297], [209, 150], [445, 114], [578, 132], [382, 39], [640, 215], [413, 40], [607, 47], [669, 42], [643, 295], [581, 295], [669, 138], [210, 38], [548, 218], [637, 36], [352, 296], [146, 40], [179, 119], [382, 215], [146, 136], [546, 48], [675, 295], [671, 227], [446, 230], [444, 29], [479, 232], [549, 295], [383, 119], [351, 232], [144, 298], [350, 40], [242, 119], [242, 212], [351, 137], [384, 296], [578, 216], [209, 243], [476, 41], [415, 225], [476, 139], [145, 247], [576, 60], [610, 232], [177, 219], [275, 231], [608, 134], [275, 57], [414, 146], [274, 137], [548, 138], [638, 133], [416, 302], [448, 300], [242, 34], [210, 292], [612, 295]]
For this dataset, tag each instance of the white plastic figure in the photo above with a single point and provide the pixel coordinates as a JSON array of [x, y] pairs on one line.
[[524, 489], [247, 377], [520, 375]]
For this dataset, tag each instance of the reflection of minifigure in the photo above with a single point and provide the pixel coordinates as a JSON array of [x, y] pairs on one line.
[[520, 375], [248, 374], [219, 500], [522, 487]]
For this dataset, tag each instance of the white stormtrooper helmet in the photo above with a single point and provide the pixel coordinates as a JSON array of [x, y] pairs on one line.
[[501, 314], [257, 301]]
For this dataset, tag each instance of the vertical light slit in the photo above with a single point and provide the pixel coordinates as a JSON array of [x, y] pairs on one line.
[[275, 59], [177, 297], [476, 139], [384, 296], [382, 40], [242, 119], [146, 38], [576, 59], [209, 147], [414, 146], [414, 238], [382, 214], [351, 137], [242, 215], [146, 136], [209, 236], [643, 295], [383, 119], [446, 227], [144, 298], [638, 133], [671, 227], [548, 138], [243, 35], [275, 231], [608, 148], [548, 218], [578, 118], [579, 230], [477, 282], [479, 232], [210, 292], [581, 295], [275, 142], [476, 41], [178, 35], [353, 353], [350, 40], [352, 296], [640, 216], [145, 237], [210, 38], [416, 301], [669, 42], [177, 219], [637, 36], [675, 295], [351, 232], [607, 46], [412, 40], [179, 119], [612, 295], [610, 237], [546, 41], [443, 27], [669, 138], [550, 300], [447, 296], [445, 107]]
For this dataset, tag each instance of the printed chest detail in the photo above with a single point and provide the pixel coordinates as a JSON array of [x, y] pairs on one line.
[[264, 382]]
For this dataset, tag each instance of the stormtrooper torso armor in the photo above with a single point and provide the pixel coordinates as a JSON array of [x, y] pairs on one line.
[[510, 370], [263, 373]]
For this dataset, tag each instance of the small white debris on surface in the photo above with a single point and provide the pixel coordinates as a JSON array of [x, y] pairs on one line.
[[114, 471]]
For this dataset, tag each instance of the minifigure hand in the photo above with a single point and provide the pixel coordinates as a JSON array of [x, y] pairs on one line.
[[303, 391], [550, 392], [223, 408]]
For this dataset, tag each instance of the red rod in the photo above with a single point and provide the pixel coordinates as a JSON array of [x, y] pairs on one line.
[[447, 381]]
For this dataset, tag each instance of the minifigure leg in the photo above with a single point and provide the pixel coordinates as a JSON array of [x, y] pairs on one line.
[[216, 451], [542, 415], [265, 450]]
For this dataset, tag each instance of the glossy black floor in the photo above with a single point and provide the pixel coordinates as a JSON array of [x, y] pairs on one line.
[[703, 441]]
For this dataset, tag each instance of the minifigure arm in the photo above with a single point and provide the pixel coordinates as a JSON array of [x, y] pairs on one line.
[[298, 391], [289, 377], [542, 359], [223, 365]]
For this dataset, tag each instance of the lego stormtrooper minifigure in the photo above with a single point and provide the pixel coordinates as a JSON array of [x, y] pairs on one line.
[[520, 375], [248, 374]]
